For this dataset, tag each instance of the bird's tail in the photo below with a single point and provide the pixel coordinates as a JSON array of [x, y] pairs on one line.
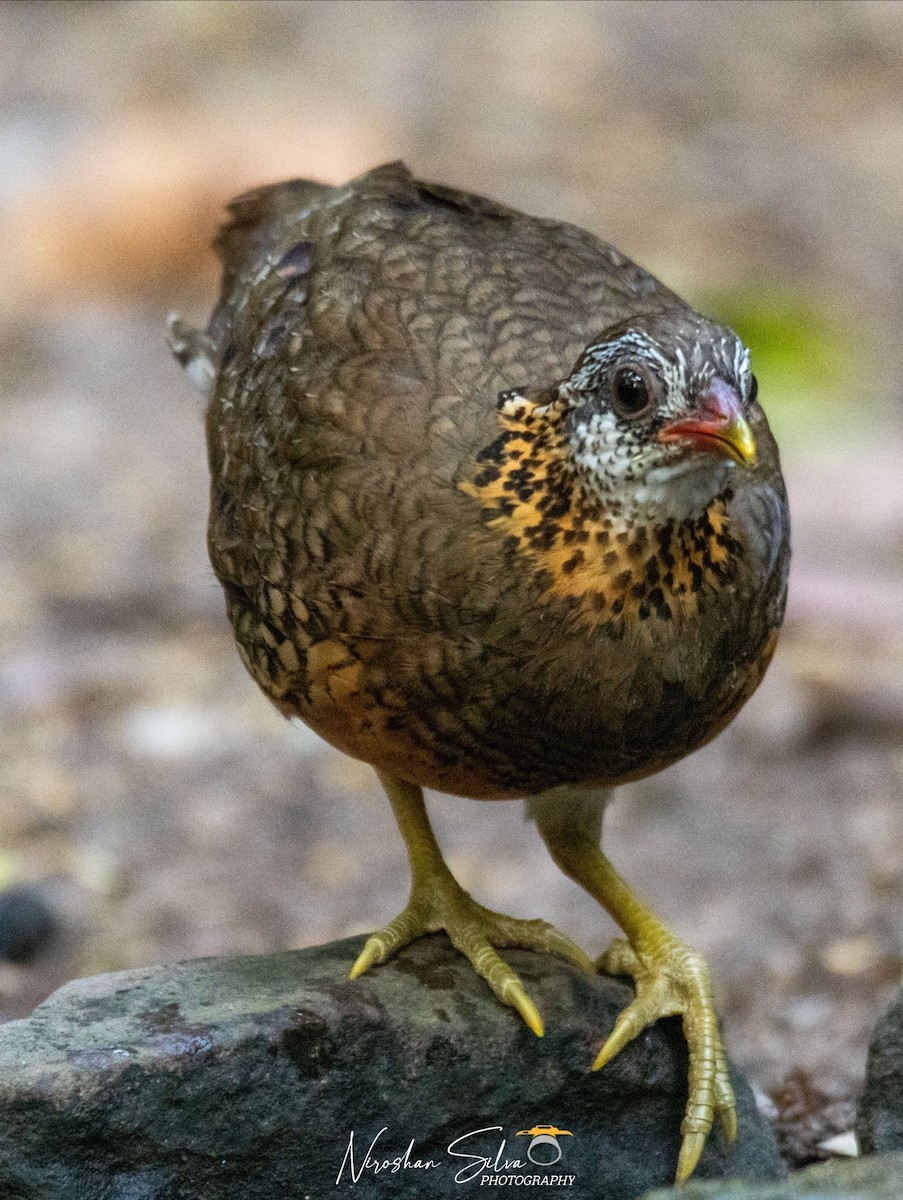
[[256, 222]]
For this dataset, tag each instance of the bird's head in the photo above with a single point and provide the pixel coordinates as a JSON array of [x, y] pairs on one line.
[[614, 482], [656, 414]]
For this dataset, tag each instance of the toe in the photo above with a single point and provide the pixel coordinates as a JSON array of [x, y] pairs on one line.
[[518, 999], [372, 953], [472, 941], [631, 1021], [407, 926], [645, 1010], [475, 932], [538, 936], [710, 1089], [725, 1101], [558, 943], [675, 980], [619, 958], [690, 1151]]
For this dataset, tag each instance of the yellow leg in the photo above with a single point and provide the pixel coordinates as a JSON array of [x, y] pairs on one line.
[[439, 902], [671, 979]]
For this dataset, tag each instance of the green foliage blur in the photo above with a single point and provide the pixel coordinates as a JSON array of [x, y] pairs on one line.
[[815, 363]]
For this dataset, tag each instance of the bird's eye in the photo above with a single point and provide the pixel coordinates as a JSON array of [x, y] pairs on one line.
[[631, 393], [753, 389]]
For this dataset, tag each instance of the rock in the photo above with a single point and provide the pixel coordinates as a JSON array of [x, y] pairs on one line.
[[269, 1078], [879, 1123], [27, 925], [877, 1178]]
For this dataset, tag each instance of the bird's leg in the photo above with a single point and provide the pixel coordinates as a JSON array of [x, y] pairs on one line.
[[438, 901], [671, 979]]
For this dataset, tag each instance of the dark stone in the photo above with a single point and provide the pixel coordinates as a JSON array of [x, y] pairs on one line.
[[27, 925], [876, 1178], [244, 1078], [879, 1124]]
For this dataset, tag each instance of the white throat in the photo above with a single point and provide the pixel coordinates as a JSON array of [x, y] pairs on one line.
[[676, 490], [684, 489]]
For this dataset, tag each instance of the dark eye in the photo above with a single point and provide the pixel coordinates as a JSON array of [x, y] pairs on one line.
[[631, 393], [753, 389]]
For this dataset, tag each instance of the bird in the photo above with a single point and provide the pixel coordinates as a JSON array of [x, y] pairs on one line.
[[498, 513]]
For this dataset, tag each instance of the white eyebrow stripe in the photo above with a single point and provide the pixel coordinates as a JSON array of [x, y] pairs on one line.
[[683, 371]]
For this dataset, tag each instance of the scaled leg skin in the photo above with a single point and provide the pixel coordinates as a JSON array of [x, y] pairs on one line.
[[671, 979], [439, 902]]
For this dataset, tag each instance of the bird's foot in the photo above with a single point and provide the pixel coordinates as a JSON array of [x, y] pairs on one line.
[[673, 980], [475, 931]]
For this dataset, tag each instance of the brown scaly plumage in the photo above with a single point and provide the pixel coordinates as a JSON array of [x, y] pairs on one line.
[[497, 512]]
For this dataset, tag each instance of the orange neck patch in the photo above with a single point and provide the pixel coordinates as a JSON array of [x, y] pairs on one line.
[[617, 569]]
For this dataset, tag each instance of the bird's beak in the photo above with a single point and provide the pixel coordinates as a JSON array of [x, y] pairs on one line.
[[716, 424]]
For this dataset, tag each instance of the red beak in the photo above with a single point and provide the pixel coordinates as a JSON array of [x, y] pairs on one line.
[[717, 424]]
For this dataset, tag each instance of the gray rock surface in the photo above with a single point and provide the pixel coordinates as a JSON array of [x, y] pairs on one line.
[[879, 1123], [876, 1178], [245, 1078]]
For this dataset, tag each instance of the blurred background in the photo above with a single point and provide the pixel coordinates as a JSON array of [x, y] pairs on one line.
[[152, 805]]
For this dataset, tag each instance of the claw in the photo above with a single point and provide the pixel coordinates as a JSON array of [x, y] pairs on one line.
[[627, 1026], [690, 1150], [371, 953], [516, 996]]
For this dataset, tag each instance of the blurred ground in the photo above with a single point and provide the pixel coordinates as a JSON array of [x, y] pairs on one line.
[[752, 155]]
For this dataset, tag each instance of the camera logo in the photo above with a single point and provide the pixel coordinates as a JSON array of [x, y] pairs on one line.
[[544, 1150]]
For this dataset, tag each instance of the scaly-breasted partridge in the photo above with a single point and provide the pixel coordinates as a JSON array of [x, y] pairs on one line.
[[498, 513]]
